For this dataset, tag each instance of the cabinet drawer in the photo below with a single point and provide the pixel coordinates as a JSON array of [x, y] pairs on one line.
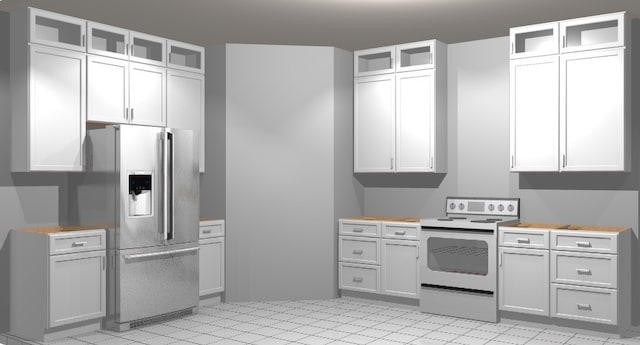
[[510, 237], [360, 228], [582, 303], [360, 277], [584, 241], [76, 242], [599, 270], [400, 230], [211, 228], [361, 250]]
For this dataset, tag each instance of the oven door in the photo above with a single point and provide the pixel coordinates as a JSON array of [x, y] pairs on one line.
[[458, 258]]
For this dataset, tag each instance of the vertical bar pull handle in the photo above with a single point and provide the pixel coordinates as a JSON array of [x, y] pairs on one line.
[[131, 114], [513, 48], [500, 259], [391, 165], [512, 161], [83, 40], [564, 41], [167, 169], [431, 163]]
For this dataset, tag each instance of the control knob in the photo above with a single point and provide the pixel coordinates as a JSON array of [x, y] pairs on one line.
[[452, 206], [510, 208], [491, 207], [461, 206], [501, 207]]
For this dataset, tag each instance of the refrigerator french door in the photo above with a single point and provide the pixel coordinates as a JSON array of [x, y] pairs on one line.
[[153, 247]]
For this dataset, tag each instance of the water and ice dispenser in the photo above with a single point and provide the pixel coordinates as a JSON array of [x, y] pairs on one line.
[[140, 194]]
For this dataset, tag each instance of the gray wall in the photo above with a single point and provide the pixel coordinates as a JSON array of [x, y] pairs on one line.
[[280, 170], [478, 115], [27, 199]]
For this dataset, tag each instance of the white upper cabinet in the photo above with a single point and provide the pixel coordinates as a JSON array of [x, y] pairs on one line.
[[148, 49], [57, 30], [374, 123], [108, 40], [147, 95], [187, 57], [592, 121], [597, 32], [107, 90], [415, 121], [400, 108], [374, 61], [534, 40], [534, 114], [569, 111], [414, 56]]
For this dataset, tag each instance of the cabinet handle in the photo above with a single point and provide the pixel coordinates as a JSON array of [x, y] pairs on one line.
[[83, 39], [564, 160], [431, 164], [523, 240], [357, 230], [126, 49], [512, 47], [206, 231], [564, 41], [583, 271], [131, 114], [357, 251], [400, 232], [584, 244], [357, 279], [78, 244], [103, 263], [512, 161], [583, 306], [391, 165], [500, 260], [126, 114]]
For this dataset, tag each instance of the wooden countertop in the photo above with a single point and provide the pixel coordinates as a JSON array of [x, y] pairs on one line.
[[545, 226], [56, 229], [387, 219], [208, 219]]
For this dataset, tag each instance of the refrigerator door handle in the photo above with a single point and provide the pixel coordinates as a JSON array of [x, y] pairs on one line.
[[168, 228], [167, 252]]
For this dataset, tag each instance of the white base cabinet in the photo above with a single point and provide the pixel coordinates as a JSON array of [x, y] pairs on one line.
[[58, 282], [570, 272], [211, 257], [379, 257]]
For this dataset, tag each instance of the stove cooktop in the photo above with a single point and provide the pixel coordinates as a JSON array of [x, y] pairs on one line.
[[476, 213]]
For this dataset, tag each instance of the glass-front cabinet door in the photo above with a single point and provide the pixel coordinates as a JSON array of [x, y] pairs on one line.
[[596, 32], [107, 40], [53, 29], [185, 56], [534, 40], [148, 49]]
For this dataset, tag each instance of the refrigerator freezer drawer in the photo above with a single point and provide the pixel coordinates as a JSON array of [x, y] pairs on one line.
[[157, 280]]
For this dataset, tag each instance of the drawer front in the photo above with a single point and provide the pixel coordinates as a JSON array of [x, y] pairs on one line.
[[210, 229], [360, 250], [360, 228], [400, 230], [582, 303], [599, 270], [76, 242], [360, 277], [584, 241], [538, 239]]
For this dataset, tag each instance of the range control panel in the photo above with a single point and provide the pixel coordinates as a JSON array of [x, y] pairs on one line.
[[484, 206]]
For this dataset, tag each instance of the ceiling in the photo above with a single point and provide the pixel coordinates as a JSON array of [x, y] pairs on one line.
[[346, 24]]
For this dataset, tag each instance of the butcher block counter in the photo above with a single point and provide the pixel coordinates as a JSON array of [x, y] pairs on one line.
[[387, 219], [60, 229], [544, 226]]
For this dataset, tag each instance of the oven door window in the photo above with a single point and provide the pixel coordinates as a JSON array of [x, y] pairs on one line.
[[454, 255]]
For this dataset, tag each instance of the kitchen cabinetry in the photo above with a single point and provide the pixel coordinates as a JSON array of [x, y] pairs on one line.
[[51, 29], [570, 73], [57, 279], [185, 104], [211, 257], [48, 108], [523, 275], [585, 272], [400, 108], [378, 256]]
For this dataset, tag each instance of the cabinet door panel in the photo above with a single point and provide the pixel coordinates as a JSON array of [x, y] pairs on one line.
[[57, 30], [185, 104], [399, 268], [523, 281], [147, 95], [108, 90], [414, 121], [76, 287], [374, 114], [211, 266], [534, 114], [57, 109], [592, 111]]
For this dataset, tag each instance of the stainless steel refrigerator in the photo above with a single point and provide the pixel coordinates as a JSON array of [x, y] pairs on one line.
[[146, 180]]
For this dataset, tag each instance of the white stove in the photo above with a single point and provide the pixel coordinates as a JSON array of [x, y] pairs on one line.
[[458, 257]]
